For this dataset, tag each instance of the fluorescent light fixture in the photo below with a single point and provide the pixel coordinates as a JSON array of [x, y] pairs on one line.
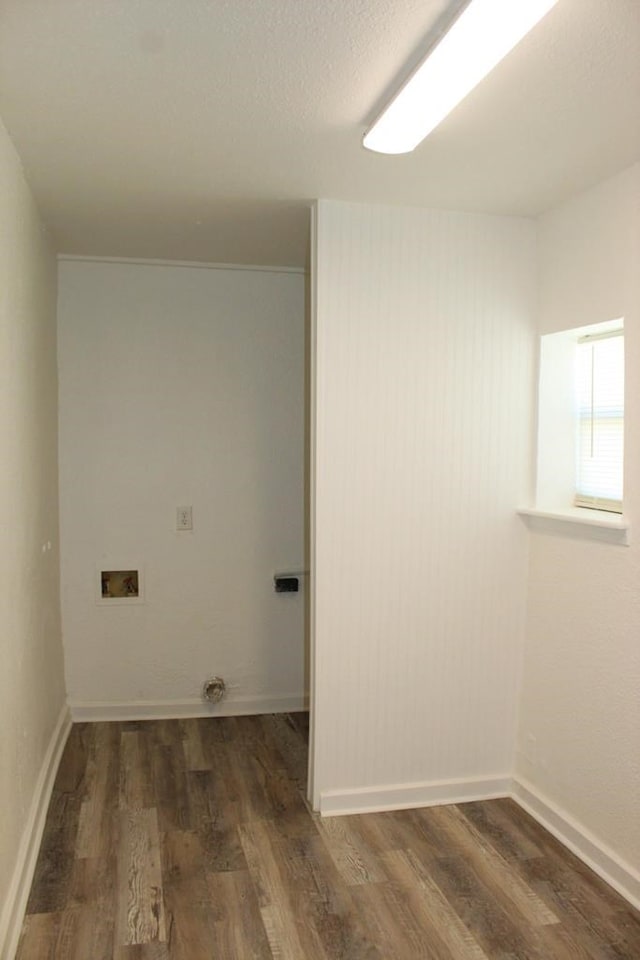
[[483, 34]]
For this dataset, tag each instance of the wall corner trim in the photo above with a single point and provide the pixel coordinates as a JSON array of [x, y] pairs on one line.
[[94, 710], [13, 912], [577, 838], [404, 796]]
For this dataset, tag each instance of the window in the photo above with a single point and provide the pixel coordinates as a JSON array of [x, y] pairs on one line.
[[600, 421], [581, 420]]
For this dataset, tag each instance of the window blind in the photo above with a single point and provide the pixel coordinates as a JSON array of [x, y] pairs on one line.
[[600, 402]]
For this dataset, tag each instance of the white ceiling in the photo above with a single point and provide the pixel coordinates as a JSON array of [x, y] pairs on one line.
[[203, 129]]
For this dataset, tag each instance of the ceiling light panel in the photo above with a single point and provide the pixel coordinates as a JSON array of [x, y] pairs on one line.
[[478, 40]]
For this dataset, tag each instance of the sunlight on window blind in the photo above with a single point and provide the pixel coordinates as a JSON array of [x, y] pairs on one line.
[[600, 388]]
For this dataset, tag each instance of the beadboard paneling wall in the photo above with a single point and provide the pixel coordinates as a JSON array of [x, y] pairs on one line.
[[424, 346]]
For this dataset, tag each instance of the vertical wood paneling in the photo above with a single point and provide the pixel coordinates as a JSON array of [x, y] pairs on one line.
[[423, 377]]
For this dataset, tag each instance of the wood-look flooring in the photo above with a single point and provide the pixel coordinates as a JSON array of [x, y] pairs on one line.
[[192, 840]]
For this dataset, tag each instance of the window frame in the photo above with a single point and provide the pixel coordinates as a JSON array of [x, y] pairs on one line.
[[551, 509]]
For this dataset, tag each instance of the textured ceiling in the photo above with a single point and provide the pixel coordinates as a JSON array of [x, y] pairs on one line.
[[202, 129]]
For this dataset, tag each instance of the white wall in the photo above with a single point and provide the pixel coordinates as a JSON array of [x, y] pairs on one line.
[[31, 678], [181, 386], [579, 739], [424, 328]]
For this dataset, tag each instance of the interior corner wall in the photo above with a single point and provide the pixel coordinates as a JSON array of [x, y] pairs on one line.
[[423, 372], [32, 695], [579, 732], [181, 386]]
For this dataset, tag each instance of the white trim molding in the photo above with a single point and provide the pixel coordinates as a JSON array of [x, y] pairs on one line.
[[13, 912], [577, 838], [191, 264], [404, 796], [579, 523], [93, 710]]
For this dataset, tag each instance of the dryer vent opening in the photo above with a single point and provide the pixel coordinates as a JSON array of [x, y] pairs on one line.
[[214, 690]]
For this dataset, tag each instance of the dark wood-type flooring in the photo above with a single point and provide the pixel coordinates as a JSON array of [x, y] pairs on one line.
[[192, 840]]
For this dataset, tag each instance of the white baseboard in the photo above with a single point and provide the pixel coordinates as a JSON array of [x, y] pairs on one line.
[[16, 903], [600, 858], [231, 706], [406, 795]]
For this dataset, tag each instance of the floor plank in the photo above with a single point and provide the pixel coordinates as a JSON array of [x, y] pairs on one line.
[[189, 926], [96, 835], [39, 936], [140, 914], [442, 928], [237, 929]]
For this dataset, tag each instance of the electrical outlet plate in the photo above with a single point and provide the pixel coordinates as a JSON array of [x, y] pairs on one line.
[[184, 518]]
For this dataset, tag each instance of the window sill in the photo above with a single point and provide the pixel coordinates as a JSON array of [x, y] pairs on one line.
[[580, 523]]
